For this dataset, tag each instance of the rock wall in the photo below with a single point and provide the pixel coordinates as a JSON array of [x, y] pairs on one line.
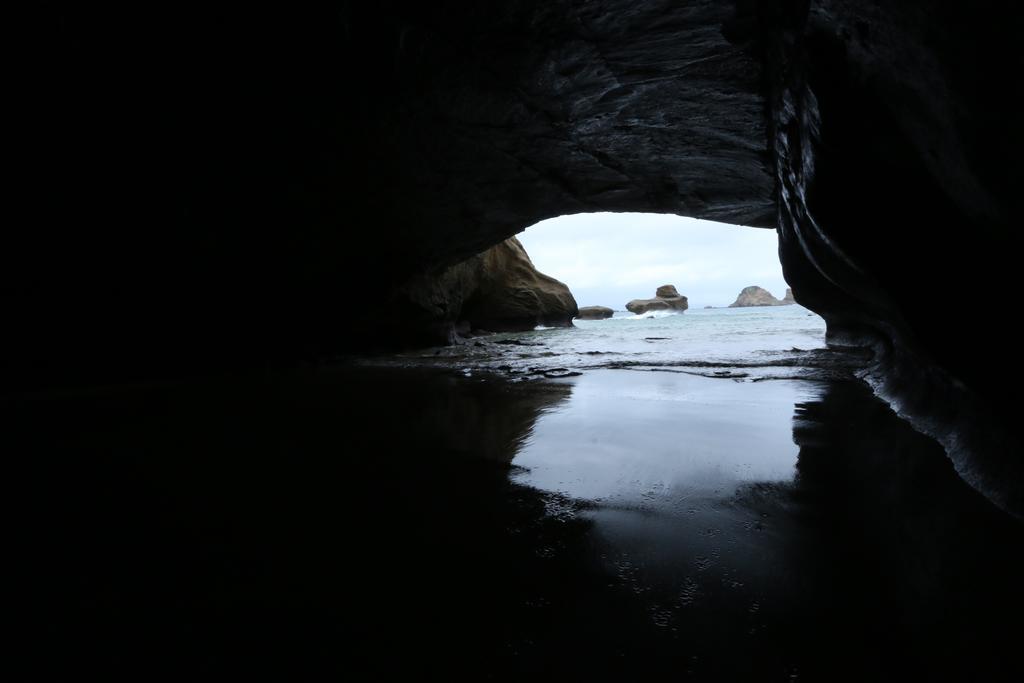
[[894, 155], [239, 175]]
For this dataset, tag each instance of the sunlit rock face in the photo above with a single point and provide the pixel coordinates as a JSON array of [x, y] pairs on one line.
[[498, 290], [214, 189], [514, 295]]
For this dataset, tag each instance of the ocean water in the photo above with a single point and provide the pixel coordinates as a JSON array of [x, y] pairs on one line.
[[723, 335], [742, 343]]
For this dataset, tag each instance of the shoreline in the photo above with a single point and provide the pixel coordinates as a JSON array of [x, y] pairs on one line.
[[815, 364]]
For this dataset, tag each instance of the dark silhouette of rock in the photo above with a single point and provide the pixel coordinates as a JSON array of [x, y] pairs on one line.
[[665, 298], [758, 296], [595, 313]]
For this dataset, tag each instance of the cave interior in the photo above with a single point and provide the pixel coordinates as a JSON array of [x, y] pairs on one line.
[[205, 188]]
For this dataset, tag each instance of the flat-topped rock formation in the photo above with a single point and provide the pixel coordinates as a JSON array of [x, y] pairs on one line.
[[595, 313], [665, 298]]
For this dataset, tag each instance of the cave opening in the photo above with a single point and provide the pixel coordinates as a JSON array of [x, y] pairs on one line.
[[607, 259], [622, 287], [638, 285]]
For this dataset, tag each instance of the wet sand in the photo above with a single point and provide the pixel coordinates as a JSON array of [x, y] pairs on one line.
[[609, 526]]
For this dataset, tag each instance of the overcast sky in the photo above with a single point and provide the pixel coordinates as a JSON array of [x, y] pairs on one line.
[[609, 258]]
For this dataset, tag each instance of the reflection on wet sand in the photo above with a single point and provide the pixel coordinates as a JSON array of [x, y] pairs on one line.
[[314, 525], [854, 554]]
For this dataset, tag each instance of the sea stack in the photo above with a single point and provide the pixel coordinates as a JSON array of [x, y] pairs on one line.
[[788, 299], [758, 296], [666, 298], [594, 313]]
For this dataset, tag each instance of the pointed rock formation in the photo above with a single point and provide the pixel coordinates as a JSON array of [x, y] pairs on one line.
[[758, 296]]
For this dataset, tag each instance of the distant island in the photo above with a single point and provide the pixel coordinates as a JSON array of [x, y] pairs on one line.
[[758, 296], [666, 298]]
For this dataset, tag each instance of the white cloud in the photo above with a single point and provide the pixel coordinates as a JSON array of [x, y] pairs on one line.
[[610, 258]]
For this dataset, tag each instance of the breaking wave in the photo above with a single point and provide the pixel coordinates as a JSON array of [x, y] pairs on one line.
[[648, 315]]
